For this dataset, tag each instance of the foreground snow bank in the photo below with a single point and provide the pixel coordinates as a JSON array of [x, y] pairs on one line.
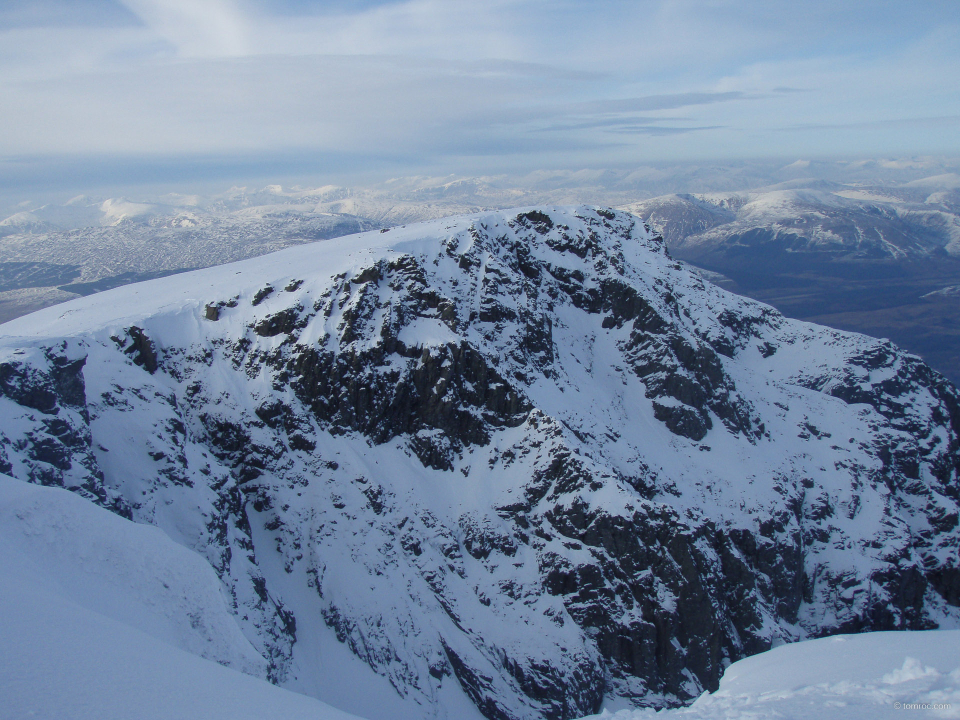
[[99, 614], [57, 543], [873, 676]]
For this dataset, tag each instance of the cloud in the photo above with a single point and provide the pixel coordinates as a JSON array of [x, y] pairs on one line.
[[604, 123], [660, 130], [321, 103], [432, 82], [671, 101], [937, 121], [197, 28], [64, 13]]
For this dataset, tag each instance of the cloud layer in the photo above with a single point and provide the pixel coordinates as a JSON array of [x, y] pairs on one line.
[[466, 86]]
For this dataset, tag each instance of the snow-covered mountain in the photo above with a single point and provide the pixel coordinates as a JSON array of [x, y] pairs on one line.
[[874, 259], [111, 620], [826, 218], [51, 251], [134, 241], [512, 464]]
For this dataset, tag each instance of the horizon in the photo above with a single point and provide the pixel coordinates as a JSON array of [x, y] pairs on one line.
[[590, 185]]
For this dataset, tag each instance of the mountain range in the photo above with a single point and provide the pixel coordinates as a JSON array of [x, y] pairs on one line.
[[881, 260], [857, 246], [512, 464]]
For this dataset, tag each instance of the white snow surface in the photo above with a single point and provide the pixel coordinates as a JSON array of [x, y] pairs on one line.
[[88, 633], [332, 556], [131, 573], [105, 619], [873, 676]]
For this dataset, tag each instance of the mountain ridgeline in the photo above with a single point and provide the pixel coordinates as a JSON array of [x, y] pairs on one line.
[[883, 261], [510, 464]]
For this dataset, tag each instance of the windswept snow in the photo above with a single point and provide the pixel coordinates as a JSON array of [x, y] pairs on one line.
[[875, 676], [63, 546], [104, 619]]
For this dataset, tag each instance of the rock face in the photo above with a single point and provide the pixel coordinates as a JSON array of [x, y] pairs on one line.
[[522, 458]]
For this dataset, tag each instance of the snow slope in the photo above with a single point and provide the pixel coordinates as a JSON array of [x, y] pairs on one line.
[[109, 620], [514, 464], [87, 634], [874, 676]]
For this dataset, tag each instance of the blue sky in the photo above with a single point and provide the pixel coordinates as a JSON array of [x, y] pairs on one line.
[[414, 86]]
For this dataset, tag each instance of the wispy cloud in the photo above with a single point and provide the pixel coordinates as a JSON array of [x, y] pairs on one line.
[[197, 28], [939, 120], [671, 101], [660, 130], [432, 82]]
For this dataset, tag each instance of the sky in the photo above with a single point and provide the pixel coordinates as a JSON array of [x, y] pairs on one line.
[[165, 89]]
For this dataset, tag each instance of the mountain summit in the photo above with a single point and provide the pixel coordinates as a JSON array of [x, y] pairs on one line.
[[504, 465]]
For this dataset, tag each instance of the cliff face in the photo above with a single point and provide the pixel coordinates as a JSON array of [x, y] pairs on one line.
[[523, 458]]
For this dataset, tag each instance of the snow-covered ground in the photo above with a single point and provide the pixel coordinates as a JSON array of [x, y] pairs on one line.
[[874, 676], [104, 618], [87, 632], [107, 619]]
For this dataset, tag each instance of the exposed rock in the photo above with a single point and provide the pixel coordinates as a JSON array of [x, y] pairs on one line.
[[526, 453]]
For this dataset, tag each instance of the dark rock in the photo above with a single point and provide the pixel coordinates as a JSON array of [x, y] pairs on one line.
[[141, 350], [683, 420], [262, 295]]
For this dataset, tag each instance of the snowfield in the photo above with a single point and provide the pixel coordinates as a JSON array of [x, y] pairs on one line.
[[105, 619], [88, 632], [874, 676]]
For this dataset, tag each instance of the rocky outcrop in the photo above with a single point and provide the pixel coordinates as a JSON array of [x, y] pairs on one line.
[[526, 455]]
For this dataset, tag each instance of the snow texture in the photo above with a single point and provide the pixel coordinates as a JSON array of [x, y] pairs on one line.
[[514, 464], [104, 619], [89, 633], [874, 676]]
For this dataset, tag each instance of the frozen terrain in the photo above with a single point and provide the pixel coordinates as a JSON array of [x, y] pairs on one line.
[[876, 676], [898, 223], [56, 253], [51, 251], [515, 464], [104, 619], [877, 259]]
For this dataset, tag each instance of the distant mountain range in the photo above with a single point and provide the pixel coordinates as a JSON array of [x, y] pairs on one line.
[[828, 219], [878, 256], [879, 260]]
